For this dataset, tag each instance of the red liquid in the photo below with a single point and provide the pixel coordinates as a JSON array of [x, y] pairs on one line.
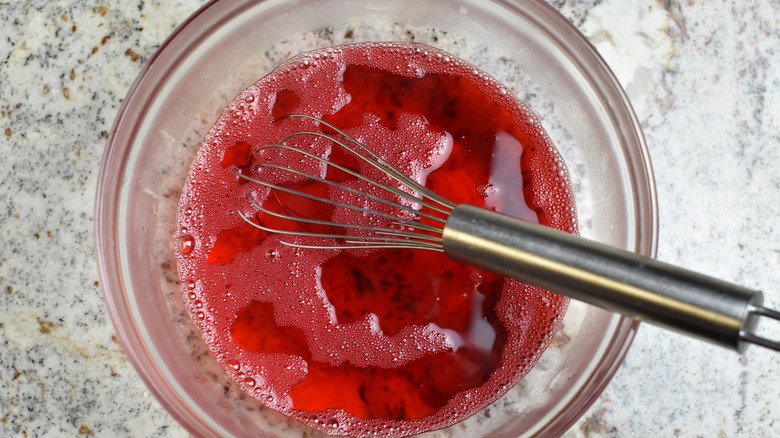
[[370, 342]]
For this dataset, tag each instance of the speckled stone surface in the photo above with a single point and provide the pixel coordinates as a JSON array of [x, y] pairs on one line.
[[704, 78]]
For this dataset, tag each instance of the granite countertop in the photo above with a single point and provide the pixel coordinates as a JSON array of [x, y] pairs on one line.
[[704, 78]]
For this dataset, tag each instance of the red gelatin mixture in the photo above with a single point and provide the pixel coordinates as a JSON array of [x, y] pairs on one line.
[[368, 342]]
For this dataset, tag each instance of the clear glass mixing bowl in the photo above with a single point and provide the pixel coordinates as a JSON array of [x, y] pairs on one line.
[[221, 50]]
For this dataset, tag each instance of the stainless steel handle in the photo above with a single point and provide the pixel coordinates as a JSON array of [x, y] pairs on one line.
[[616, 280]]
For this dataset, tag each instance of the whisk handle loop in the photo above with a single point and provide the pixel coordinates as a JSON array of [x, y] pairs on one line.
[[614, 279]]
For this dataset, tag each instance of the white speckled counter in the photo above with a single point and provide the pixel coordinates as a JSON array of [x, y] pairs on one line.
[[704, 78]]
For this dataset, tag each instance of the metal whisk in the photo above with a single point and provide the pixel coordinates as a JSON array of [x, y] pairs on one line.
[[582, 269]]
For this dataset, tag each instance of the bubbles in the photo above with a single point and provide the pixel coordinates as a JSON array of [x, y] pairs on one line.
[[186, 244], [234, 365], [486, 190]]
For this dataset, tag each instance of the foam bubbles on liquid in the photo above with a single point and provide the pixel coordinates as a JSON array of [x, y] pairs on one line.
[[273, 273]]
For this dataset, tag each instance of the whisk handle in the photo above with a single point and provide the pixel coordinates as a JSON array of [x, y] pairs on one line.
[[614, 279]]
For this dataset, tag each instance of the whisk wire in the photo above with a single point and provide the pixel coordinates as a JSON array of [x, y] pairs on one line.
[[754, 338], [417, 235], [378, 241], [349, 171], [383, 237], [376, 161], [378, 230], [394, 244], [337, 203]]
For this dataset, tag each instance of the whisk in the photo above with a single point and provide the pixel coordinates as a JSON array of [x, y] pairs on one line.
[[617, 280]]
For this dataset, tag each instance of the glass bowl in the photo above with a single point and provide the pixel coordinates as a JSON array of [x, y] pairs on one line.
[[228, 45]]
